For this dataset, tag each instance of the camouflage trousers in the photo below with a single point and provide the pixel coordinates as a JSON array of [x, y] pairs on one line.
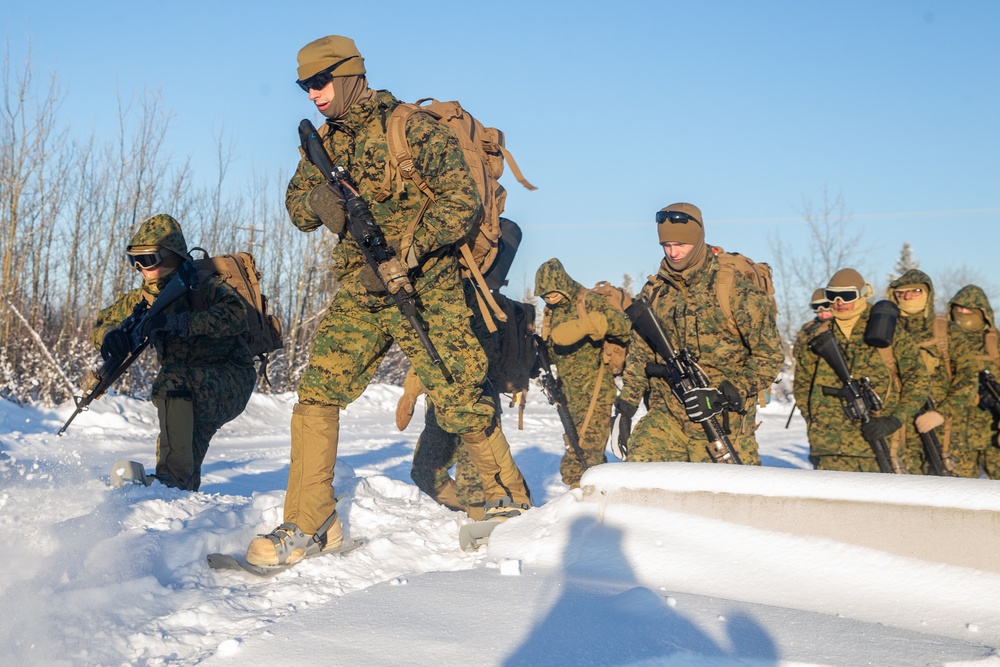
[[435, 454], [977, 462], [660, 437], [845, 463], [218, 394], [351, 342], [592, 442]]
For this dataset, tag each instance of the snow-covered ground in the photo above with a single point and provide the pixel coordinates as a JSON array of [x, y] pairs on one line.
[[97, 576]]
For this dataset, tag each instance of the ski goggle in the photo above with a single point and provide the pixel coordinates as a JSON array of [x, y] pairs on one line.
[[845, 294], [822, 304], [319, 80], [146, 259], [675, 218]]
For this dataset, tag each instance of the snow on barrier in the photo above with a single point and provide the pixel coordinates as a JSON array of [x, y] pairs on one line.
[[944, 520]]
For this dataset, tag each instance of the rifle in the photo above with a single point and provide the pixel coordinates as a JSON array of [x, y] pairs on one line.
[[682, 373], [553, 390], [363, 228], [940, 462], [859, 398], [989, 393], [95, 383]]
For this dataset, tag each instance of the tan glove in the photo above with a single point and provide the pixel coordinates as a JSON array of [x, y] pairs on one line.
[[594, 325], [928, 421], [412, 388]]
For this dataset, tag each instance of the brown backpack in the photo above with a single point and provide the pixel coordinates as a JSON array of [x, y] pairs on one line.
[[731, 263], [239, 271], [485, 154], [612, 354]]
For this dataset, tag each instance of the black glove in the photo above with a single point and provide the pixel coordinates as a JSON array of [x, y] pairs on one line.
[[623, 408], [329, 207], [703, 403], [880, 427], [173, 324], [114, 345]]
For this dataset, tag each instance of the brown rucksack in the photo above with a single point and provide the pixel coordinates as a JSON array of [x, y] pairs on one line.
[[731, 263], [239, 271], [485, 154], [612, 354]]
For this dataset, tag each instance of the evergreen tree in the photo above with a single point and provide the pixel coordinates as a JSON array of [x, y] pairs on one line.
[[904, 263]]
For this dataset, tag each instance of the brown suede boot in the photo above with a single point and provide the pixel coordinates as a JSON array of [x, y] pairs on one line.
[[500, 475]]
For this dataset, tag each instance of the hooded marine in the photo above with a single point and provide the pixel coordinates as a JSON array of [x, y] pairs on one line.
[[206, 373], [575, 341], [973, 345]]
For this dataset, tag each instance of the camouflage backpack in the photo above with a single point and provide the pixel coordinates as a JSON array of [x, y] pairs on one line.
[[731, 263], [612, 354], [485, 154], [239, 271]]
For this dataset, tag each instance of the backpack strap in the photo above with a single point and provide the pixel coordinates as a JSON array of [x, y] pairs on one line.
[[940, 328], [889, 359], [581, 303], [724, 290], [991, 339]]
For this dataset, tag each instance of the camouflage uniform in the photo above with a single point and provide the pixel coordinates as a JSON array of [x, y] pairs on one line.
[[211, 367], [920, 327], [973, 434], [835, 442], [579, 360], [688, 309], [363, 321]]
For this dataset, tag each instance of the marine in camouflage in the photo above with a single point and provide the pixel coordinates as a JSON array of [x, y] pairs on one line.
[[363, 321], [578, 360], [211, 364], [835, 442], [973, 435], [687, 305], [917, 319]]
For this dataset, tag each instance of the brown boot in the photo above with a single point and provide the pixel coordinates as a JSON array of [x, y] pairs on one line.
[[501, 477], [287, 544], [309, 499]]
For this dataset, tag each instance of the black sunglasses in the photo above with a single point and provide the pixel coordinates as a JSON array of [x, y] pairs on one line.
[[675, 217], [319, 80]]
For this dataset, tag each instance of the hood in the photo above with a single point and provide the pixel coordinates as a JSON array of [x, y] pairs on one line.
[[163, 231], [973, 297], [913, 277], [552, 277]]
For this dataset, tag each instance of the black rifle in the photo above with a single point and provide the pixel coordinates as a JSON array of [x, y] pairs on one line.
[[941, 463], [859, 398], [95, 383], [989, 393], [363, 228], [553, 390], [682, 373]]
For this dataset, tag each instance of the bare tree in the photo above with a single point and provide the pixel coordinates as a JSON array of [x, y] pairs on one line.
[[832, 245]]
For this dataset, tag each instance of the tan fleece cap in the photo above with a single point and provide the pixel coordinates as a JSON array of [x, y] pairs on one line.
[[327, 51]]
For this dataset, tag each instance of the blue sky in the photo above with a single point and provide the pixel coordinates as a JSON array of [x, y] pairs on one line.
[[747, 109]]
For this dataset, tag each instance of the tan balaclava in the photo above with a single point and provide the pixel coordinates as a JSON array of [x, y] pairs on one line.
[[847, 278], [908, 307], [691, 230], [341, 57]]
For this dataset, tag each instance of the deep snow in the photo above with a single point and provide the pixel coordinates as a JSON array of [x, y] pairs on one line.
[[101, 576]]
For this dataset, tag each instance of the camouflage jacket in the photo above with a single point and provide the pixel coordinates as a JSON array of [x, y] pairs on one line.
[[216, 318], [831, 433], [358, 144], [920, 326], [578, 364], [689, 311], [972, 427]]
